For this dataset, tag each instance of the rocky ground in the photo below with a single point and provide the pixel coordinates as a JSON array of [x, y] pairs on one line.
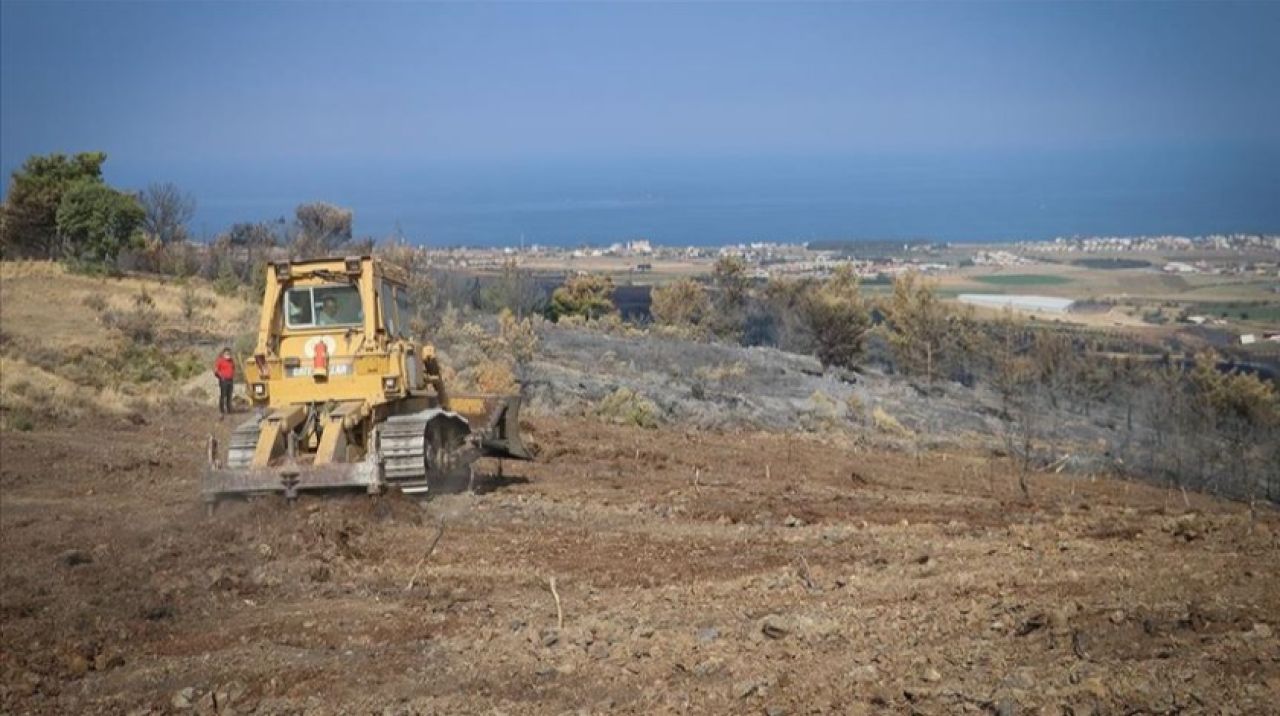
[[628, 570]]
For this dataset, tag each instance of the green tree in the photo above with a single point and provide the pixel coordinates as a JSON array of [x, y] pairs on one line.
[[680, 304], [780, 316], [97, 222], [732, 289], [917, 326], [837, 316], [29, 216], [585, 295], [1244, 411]]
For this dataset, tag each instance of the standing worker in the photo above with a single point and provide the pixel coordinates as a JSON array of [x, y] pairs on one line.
[[225, 370]]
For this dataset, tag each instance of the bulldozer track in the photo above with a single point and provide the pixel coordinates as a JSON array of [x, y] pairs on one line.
[[423, 447], [403, 443]]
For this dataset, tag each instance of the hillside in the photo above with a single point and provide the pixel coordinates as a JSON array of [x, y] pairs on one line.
[[66, 349], [716, 563]]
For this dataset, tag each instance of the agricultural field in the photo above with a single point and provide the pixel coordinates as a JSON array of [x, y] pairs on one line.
[[1245, 312], [1022, 280], [1134, 289]]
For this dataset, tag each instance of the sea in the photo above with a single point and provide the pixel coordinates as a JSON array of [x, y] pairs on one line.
[[710, 201]]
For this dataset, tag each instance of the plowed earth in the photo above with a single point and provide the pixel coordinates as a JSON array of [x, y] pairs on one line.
[[695, 573]]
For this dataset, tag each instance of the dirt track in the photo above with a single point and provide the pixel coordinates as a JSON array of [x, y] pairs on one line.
[[699, 573]]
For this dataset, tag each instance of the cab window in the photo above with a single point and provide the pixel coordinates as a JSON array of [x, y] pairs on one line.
[[315, 306], [402, 306]]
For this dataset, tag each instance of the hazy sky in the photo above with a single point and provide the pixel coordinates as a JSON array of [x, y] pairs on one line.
[[289, 85], [198, 82]]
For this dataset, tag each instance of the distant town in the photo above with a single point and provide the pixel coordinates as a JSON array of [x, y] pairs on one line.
[[874, 260]]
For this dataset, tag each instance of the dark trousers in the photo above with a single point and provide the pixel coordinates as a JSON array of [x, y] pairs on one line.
[[224, 395]]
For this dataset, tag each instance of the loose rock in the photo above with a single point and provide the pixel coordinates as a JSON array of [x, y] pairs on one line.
[[75, 558], [183, 698]]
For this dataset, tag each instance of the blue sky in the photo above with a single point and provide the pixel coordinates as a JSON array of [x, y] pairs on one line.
[[193, 89]]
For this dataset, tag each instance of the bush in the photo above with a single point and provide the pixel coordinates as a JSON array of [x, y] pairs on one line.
[[732, 290], [854, 405], [627, 407], [192, 302], [142, 299], [19, 420], [721, 372], [95, 302], [518, 338], [682, 305], [139, 324], [885, 422], [492, 376], [838, 319], [586, 295], [227, 282], [825, 413]]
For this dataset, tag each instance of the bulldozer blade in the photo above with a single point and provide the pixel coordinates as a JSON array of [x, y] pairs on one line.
[[502, 437], [289, 480], [499, 418]]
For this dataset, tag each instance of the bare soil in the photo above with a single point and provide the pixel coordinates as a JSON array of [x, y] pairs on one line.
[[697, 572]]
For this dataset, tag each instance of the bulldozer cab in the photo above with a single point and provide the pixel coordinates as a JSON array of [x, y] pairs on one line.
[[334, 329]]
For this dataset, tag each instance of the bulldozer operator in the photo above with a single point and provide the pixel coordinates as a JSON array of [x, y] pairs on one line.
[[331, 313]]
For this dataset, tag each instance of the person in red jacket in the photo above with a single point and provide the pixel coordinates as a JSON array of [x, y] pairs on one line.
[[224, 368]]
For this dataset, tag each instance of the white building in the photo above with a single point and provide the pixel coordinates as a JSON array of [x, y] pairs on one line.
[[1030, 304]]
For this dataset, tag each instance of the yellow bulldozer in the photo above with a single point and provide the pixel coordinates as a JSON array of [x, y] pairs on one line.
[[344, 396]]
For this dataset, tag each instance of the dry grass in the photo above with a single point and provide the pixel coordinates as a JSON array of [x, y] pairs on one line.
[[65, 355], [43, 304], [32, 396]]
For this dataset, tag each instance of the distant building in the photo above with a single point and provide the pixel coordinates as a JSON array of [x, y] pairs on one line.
[[1248, 339], [1179, 267]]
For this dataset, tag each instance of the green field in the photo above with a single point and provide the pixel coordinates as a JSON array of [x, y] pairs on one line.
[[1022, 279], [1241, 310], [1112, 264]]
